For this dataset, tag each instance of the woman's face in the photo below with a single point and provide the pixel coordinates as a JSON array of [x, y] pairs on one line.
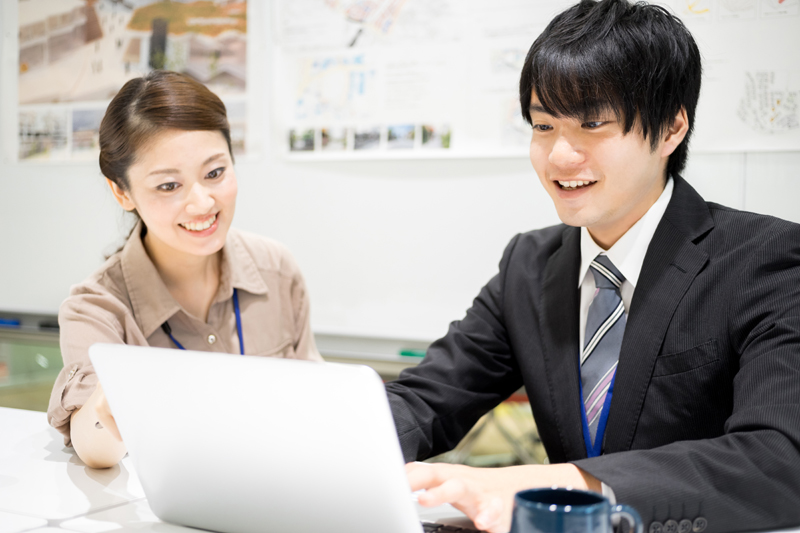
[[183, 186]]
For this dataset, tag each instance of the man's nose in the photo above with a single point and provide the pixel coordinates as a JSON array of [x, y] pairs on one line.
[[565, 154]]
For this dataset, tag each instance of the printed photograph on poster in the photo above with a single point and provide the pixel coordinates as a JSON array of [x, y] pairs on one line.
[[333, 139], [43, 134], [367, 139], [237, 120], [86, 133], [435, 136], [400, 136], [301, 140], [73, 51]]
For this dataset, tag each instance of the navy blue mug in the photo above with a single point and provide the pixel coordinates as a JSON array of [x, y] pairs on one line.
[[568, 511]]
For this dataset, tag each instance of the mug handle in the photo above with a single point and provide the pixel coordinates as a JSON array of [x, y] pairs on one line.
[[628, 513]]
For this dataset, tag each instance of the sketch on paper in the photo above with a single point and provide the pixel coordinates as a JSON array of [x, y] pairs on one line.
[[85, 50], [331, 89], [771, 101], [778, 8], [82, 50]]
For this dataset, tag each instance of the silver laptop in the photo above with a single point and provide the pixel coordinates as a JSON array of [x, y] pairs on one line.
[[251, 444]]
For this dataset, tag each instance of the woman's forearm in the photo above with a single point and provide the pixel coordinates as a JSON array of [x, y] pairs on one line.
[[97, 447]]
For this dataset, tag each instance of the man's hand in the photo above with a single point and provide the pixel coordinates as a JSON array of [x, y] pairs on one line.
[[486, 495]]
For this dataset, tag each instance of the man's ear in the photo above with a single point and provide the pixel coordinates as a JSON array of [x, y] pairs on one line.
[[122, 196], [675, 133]]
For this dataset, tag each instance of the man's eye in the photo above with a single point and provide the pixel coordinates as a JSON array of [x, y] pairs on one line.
[[171, 186], [593, 124], [542, 127], [217, 172]]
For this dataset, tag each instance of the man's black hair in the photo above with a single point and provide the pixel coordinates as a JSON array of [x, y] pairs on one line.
[[635, 60]]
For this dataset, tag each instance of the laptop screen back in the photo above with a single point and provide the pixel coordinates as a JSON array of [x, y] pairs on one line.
[[253, 444]]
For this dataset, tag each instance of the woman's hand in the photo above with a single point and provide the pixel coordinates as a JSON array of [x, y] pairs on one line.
[[486, 495]]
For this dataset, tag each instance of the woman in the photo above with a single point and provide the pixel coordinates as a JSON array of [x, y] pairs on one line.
[[184, 279]]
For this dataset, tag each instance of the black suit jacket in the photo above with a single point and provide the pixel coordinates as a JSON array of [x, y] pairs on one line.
[[705, 417]]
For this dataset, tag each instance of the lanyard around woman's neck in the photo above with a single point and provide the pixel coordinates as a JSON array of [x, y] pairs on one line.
[[168, 330]]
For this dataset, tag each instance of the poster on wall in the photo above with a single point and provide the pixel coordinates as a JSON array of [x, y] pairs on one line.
[[439, 78], [74, 55], [402, 78]]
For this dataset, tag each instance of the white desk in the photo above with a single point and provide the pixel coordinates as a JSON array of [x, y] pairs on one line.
[[44, 487], [43, 484], [40, 478]]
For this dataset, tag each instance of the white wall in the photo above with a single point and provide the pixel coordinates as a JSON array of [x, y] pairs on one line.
[[389, 248], [392, 249]]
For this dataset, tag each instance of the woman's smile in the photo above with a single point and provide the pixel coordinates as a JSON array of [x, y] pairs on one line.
[[200, 225]]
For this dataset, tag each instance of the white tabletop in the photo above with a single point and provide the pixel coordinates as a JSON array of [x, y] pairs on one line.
[[134, 517], [40, 478], [13, 523], [44, 487]]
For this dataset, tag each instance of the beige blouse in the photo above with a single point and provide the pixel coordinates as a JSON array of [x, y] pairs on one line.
[[126, 302]]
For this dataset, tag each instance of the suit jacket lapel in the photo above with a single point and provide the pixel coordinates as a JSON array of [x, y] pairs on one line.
[[670, 266], [559, 327]]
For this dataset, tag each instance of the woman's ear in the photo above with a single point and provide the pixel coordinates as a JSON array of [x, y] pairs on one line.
[[123, 197], [676, 133]]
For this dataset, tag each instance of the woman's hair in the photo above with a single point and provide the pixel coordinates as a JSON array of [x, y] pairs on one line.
[[635, 60], [145, 106]]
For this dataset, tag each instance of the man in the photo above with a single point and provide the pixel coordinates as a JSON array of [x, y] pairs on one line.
[[657, 335]]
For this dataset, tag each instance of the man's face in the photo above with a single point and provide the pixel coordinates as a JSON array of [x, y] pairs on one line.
[[596, 176]]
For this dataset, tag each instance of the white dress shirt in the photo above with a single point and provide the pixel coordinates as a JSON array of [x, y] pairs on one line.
[[627, 254]]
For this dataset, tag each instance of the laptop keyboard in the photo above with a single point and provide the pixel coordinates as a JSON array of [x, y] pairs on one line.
[[430, 527]]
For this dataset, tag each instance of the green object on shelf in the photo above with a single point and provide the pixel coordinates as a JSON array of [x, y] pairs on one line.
[[27, 372], [412, 353]]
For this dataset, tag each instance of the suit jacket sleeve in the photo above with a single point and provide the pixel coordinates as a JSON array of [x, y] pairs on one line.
[[749, 477], [464, 375]]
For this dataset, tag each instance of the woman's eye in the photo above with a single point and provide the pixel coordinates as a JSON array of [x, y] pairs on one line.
[[217, 172], [171, 186], [542, 127]]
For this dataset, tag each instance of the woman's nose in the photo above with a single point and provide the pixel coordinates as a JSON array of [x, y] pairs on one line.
[[200, 201]]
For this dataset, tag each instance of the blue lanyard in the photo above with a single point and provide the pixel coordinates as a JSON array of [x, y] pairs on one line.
[[596, 449], [168, 330]]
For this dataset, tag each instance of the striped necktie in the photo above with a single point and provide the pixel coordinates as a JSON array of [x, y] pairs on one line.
[[605, 326]]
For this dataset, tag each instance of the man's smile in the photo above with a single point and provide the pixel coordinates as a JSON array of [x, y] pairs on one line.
[[574, 184]]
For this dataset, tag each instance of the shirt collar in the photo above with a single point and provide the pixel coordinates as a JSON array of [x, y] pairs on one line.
[[150, 299], [238, 269], [151, 302], [628, 252]]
